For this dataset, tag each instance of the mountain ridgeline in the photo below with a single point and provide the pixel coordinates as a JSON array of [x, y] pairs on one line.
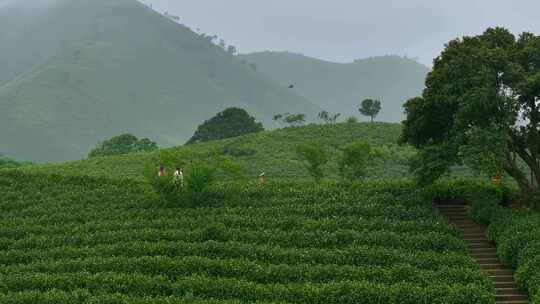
[[341, 87], [75, 72]]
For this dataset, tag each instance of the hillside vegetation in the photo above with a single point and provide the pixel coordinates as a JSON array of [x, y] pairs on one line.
[[83, 240], [79, 71], [271, 151], [339, 87]]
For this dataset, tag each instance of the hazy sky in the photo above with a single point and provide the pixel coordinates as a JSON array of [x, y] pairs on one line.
[[342, 30]]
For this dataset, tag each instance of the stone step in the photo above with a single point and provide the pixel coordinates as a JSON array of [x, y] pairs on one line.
[[497, 272], [484, 253], [512, 285], [491, 266], [502, 278], [503, 298], [509, 291]]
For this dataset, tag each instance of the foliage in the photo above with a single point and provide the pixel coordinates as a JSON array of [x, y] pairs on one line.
[[328, 117], [356, 158], [314, 158], [270, 151], [8, 163], [352, 120], [370, 108], [201, 171], [484, 150], [107, 241], [293, 120], [123, 144], [482, 90], [230, 123]]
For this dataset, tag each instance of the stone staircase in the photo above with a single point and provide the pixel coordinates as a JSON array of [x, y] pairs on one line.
[[485, 254]]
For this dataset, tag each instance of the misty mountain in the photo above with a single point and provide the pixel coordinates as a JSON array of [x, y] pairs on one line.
[[341, 87], [75, 72]]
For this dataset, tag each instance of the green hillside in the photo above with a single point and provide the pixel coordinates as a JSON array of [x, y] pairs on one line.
[[270, 151], [69, 240], [341, 87], [79, 71]]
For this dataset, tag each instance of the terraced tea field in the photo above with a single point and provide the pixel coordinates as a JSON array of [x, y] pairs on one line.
[[84, 240]]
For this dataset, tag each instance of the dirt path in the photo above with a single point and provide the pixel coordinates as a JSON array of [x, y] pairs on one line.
[[485, 254]]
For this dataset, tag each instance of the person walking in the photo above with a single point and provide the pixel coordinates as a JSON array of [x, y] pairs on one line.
[[178, 177], [162, 172], [262, 178]]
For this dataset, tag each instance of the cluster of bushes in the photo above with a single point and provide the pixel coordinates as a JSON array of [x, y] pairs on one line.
[[373, 242], [354, 160]]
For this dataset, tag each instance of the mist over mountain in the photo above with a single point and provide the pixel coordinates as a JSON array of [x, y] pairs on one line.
[[75, 72], [342, 86]]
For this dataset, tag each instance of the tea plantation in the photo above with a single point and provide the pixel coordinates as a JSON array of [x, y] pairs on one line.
[[270, 151], [96, 240]]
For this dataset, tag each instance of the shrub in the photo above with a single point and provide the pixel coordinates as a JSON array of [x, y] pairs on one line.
[[356, 157], [201, 172], [314, 158]]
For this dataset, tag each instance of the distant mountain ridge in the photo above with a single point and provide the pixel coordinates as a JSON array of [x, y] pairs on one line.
[[342, 86], [75, 72]]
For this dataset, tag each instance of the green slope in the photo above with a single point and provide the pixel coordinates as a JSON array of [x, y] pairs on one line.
[[69, 240], [88, 69], [341, 87], [271, 151]]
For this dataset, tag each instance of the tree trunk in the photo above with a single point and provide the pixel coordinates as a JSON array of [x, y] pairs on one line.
[[521, 178]]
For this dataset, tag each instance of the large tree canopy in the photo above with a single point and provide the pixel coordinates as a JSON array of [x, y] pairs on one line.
[[123, 144], [230, 123], [483, 98]]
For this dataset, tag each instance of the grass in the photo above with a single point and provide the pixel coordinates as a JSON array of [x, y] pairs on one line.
[[270, 151]]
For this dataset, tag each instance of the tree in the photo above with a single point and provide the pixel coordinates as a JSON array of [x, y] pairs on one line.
[[329, 118], [356, 157], [482, 96], [314, 158], [294, 120], [231, 49], [222, 44], [123, 144], [230, 123], [370, 108]]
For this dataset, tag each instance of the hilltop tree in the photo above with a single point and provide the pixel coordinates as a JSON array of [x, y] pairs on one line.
[[291, 119], [231, 49], [222, 44], [483, 96], [328, 117], [370, 108], [230, 123], [123, 144]]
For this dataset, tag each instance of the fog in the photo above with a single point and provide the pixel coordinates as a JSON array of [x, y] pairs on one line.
[[343, 30]]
